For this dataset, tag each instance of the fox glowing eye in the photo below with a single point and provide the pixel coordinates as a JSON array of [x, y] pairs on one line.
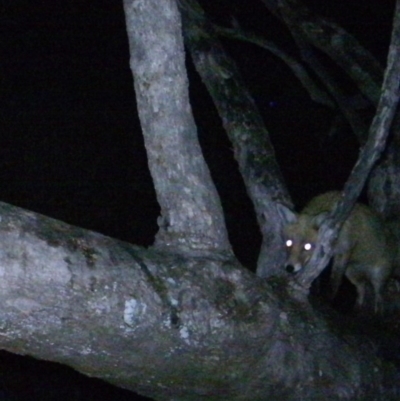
[[307, 246], [289, 243]]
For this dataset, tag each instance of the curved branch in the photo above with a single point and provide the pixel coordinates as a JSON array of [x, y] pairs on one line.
[[334, 41], [347, 108], [316, 93]]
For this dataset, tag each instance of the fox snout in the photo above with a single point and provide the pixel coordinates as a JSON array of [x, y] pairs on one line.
[[293, 267], [290, 268]]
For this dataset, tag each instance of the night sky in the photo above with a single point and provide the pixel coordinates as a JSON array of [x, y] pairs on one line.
[[71, 145]]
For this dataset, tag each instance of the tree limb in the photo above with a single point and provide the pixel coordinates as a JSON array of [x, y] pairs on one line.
[[338, 44], [245, 128], [192, 218], [163, 325], [308, 54], [317, 94]]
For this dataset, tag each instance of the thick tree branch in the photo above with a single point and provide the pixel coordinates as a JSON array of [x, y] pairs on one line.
[[165, 326], [192, 218], [369, 154], [245, 128]]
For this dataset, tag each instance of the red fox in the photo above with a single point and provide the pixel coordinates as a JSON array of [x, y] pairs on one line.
[[363, 250]]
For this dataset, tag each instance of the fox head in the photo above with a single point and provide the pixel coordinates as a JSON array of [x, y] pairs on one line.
[[300, 236]]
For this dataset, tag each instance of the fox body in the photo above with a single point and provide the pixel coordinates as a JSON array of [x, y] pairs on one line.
[[363, 250]]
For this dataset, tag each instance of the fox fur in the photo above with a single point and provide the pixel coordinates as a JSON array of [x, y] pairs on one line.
[[363, 251]]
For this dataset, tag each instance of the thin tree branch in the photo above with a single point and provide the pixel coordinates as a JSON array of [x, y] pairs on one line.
[[369, 154], [308, 54], [334, 41], [316, 93]]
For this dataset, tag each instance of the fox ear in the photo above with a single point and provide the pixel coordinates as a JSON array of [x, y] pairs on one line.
[[287, 215], [319, 219]]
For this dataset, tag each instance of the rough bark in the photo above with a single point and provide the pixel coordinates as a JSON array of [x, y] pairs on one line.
[[246, 131], [192, 217], [167, 326]]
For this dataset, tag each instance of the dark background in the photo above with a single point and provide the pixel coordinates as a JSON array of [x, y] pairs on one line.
[[71, 145]]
